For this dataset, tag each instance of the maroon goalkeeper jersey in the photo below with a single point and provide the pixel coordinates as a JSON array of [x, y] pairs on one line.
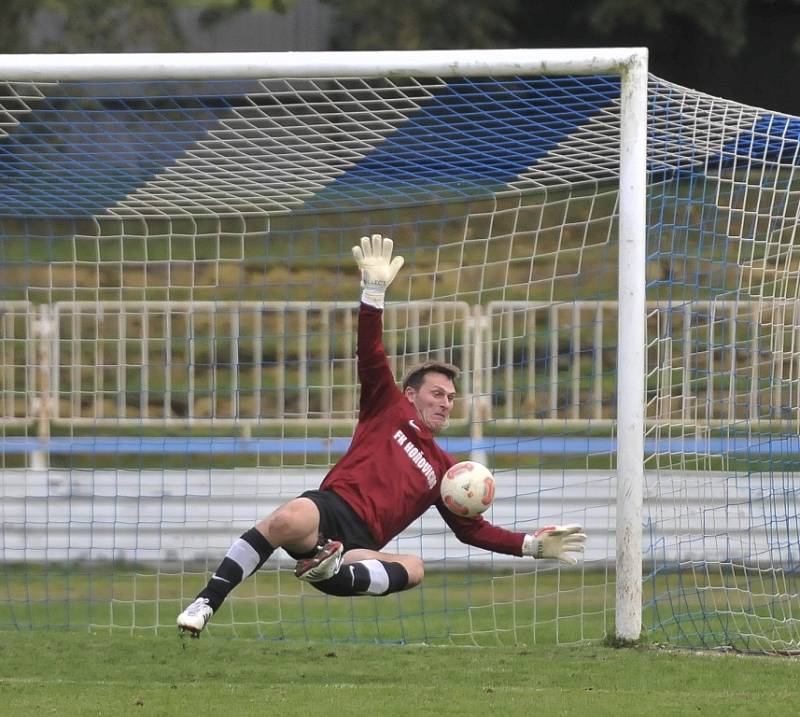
[[391, 473]]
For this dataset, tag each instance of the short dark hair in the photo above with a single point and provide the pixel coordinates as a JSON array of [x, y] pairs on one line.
[[415, 376]]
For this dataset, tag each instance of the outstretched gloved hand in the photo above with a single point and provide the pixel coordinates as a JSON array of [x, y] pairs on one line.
[[556, 542], [378, 269]]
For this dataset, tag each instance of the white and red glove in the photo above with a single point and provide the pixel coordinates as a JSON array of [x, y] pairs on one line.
[[556, 542], [378, 269]]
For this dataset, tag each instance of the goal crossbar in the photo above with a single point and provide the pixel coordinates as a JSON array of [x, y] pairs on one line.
[[264, 65]]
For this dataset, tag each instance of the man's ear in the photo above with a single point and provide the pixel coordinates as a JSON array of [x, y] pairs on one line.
[[410, 393]]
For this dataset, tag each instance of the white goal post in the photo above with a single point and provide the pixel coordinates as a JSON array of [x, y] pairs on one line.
[[629, 64]]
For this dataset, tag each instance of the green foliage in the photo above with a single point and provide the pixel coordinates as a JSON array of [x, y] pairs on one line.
[[723, 19], [214, 12], [116, 25], [421, 24], [96, 26], [238, 5], [17, 15], [417, 24]]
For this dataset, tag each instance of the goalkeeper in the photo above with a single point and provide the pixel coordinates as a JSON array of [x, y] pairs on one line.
[[388, 478]]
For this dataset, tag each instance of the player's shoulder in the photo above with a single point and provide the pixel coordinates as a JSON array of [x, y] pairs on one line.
[[404, 413]]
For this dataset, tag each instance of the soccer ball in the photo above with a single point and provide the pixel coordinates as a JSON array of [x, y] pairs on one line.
[[468, 489]]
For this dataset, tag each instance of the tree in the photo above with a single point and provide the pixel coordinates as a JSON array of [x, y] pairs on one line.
[[17, 14], [722, 19], [112, 25], [115, 25], [430, 24], [216, 11], [422, 24]]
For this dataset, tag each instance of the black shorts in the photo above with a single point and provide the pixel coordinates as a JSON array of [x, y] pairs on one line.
[[338, 521]]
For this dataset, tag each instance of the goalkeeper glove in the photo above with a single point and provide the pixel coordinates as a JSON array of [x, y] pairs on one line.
[[378, 269], [555, 541]]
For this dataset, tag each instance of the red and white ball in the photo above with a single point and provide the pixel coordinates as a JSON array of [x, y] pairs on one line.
[[468, 489]]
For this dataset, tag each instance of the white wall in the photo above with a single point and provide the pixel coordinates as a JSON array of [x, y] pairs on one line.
[[174, 516]]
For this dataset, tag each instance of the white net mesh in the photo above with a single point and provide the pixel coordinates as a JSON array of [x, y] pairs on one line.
[[178, 344]]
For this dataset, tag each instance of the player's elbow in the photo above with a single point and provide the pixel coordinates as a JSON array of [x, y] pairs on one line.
[[465, 538]]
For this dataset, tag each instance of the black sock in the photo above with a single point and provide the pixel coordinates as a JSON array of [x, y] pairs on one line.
[[365, 577], [244, 557]]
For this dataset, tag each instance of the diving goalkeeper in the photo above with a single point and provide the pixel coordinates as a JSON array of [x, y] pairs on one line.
[[337, 533]]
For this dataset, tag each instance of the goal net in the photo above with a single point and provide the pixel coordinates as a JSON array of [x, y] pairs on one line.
[[177, 341]]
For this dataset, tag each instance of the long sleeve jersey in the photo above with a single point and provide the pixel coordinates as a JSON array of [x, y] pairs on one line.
[[393, 468]]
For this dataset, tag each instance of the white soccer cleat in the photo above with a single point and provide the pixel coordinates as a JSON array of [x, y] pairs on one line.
[[195, 617], [323, 565]]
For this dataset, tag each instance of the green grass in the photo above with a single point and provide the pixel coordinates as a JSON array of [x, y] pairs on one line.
[[104, 643], [689, 608], [69, 673], [471, 608]]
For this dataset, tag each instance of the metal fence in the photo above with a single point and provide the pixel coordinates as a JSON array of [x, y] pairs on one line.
[[261, 363]]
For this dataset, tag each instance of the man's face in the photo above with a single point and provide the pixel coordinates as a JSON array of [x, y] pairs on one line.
[[433, 400]]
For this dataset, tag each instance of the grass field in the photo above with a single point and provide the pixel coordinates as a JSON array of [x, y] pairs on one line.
[[80, 673], [451, 607], [472, 608]]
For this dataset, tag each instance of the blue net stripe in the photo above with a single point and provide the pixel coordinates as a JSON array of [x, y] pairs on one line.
[[82, 148]]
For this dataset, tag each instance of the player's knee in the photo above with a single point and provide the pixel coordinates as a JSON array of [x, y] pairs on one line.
[[291, 523]]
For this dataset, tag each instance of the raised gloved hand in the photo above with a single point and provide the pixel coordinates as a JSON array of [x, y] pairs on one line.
[[556, 542], [378, 269]]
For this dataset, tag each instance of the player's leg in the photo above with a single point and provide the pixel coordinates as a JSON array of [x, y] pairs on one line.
[[294, 525], [371, 572]]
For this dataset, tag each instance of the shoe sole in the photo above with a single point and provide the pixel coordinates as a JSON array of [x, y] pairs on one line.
[[302, 571], [193, 633]]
